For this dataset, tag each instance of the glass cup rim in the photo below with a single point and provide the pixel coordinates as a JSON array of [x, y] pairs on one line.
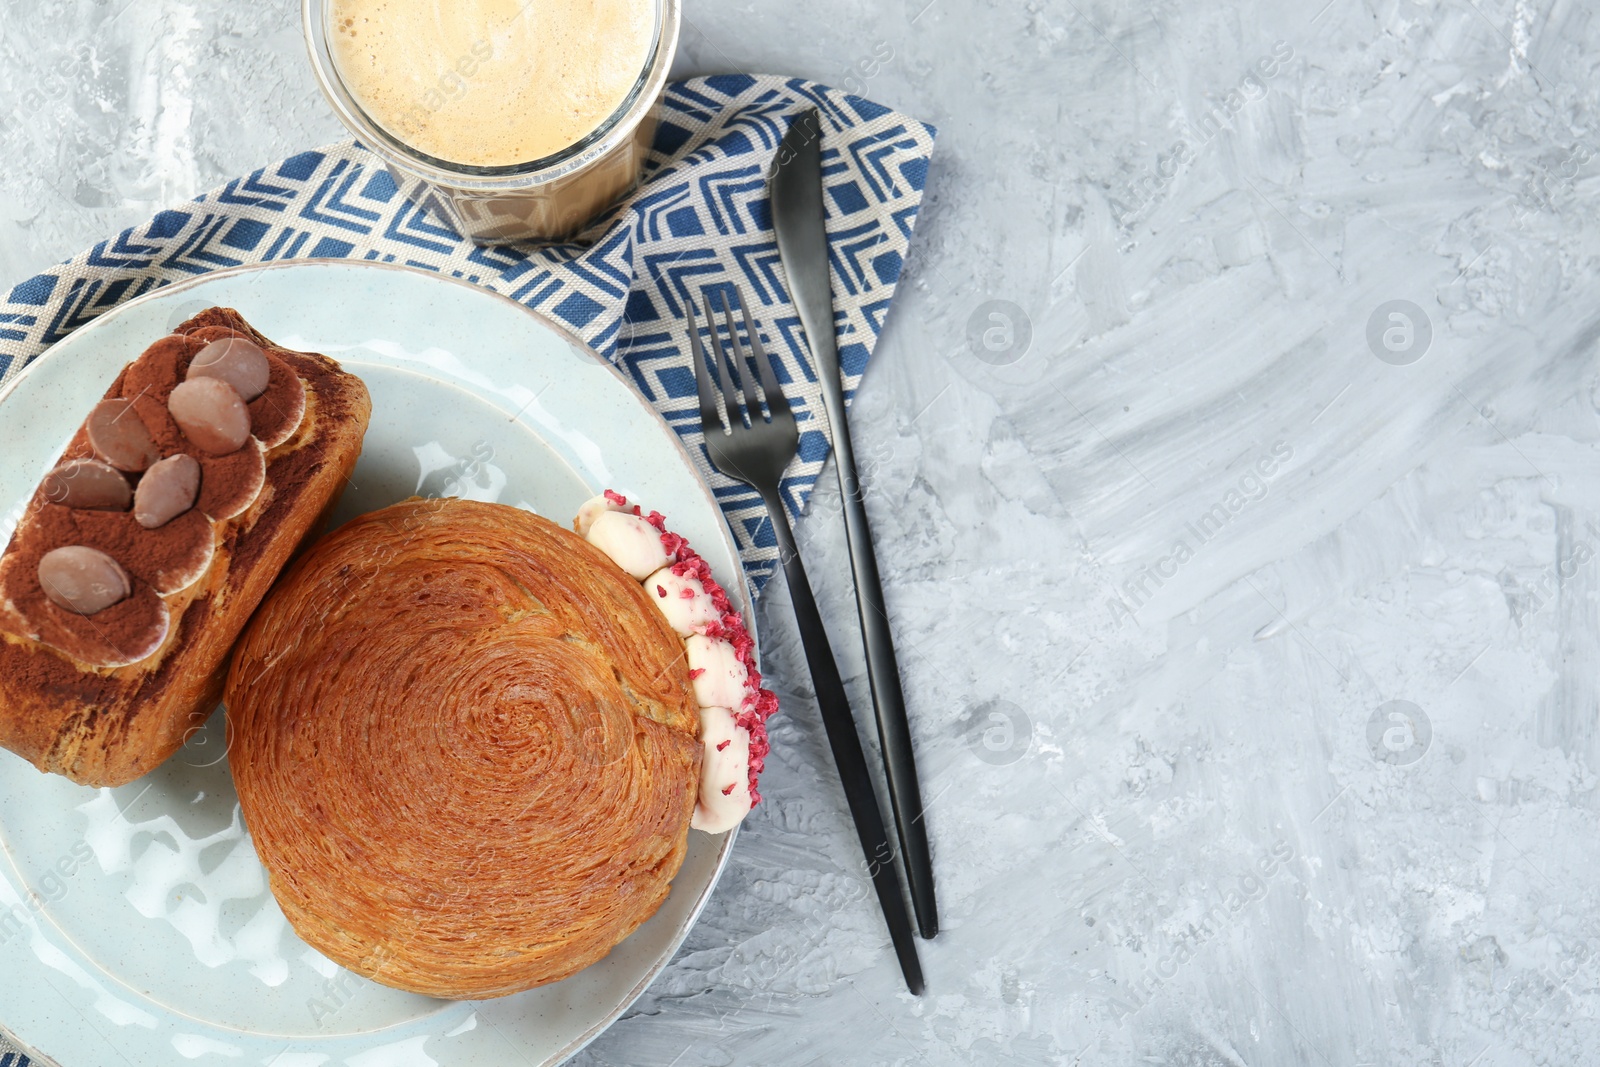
[[373, 135]]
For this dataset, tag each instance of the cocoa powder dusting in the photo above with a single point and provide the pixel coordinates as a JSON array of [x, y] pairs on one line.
[[158, 371], [113, 635], [229, 483], [149, 381], [120, 627], [275, 413], [168, 558]]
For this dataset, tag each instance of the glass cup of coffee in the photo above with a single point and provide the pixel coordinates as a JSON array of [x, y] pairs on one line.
[[514, 119]]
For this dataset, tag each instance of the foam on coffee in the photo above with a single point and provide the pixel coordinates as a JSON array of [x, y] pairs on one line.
[[491, 83]]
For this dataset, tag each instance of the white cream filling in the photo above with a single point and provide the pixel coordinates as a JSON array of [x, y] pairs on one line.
[[724, 775], [591, 510], [633, 544], [682, 599], [718, 678], [720, 681]]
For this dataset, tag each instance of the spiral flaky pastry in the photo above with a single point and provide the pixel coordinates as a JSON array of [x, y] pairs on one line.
[[466, 749]]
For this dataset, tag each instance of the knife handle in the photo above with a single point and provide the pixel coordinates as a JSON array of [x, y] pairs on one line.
[[883, 672], [848, 755]]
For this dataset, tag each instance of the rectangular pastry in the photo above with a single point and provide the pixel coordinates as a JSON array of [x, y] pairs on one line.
[[144, 552]]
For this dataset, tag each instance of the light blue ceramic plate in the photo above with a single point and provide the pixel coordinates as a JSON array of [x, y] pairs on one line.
[[135, 923]]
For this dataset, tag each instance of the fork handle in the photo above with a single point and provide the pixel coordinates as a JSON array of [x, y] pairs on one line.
[[848, 755]]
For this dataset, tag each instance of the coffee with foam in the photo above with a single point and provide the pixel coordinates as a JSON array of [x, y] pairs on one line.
[[491, 83]]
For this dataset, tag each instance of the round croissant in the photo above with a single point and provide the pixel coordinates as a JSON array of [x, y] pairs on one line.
[[466, 748]]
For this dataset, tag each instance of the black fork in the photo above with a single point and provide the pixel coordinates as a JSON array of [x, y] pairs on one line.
[[756, 449]]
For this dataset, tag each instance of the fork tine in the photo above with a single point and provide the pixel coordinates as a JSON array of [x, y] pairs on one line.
[[777, 403], [724, 375], [751, 398], [709, 391]]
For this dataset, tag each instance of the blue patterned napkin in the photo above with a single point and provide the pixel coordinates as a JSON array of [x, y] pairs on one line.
[[699, 222]]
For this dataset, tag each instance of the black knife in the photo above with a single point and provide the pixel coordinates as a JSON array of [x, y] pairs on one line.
[[798, 216]]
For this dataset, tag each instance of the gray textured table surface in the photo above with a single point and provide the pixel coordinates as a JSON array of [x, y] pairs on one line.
[[1163, 553]]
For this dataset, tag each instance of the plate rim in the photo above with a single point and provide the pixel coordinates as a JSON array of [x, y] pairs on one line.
[[746, 599]]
